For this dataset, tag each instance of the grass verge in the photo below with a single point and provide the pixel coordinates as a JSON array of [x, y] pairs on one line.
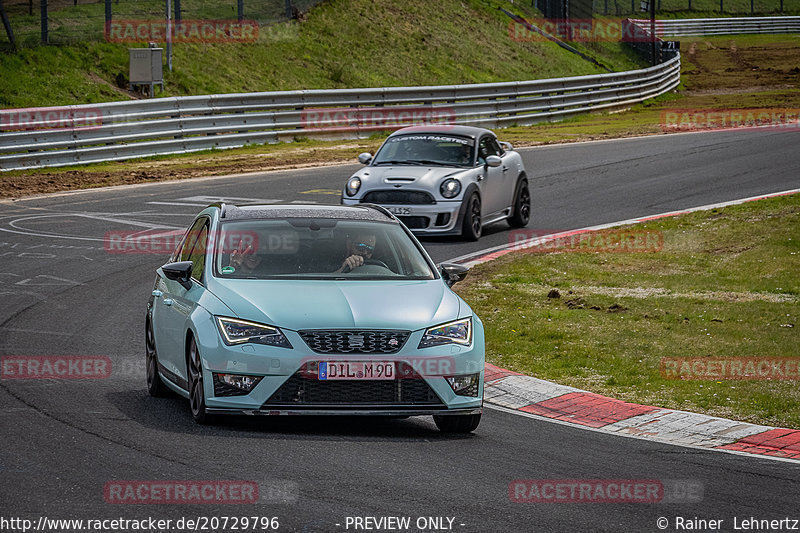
[[338, 44], [725, 284]]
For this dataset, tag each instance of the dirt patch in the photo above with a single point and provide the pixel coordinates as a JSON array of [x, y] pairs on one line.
[[659, 292], [273, 157], [122, 92]]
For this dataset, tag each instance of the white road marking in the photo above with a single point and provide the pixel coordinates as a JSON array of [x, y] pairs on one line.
[[15, 225], [47, 281]]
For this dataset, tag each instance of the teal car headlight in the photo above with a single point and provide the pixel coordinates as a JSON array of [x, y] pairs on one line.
[[236, 331], [456, 332]]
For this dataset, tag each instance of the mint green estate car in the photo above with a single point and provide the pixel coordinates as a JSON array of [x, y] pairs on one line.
[[323, 310]]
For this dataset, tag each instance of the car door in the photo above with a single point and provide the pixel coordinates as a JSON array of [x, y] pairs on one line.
[[495, 180], [175, 304]]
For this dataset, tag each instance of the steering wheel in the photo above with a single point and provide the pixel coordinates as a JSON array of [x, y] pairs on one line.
[[370, 261], [376, 262]]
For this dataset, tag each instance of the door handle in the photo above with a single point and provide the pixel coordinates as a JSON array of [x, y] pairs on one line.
[[505, 169], [157, 293], [167, 301]]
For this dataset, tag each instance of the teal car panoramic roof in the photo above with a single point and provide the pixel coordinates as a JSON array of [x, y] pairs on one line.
[[271, 211]]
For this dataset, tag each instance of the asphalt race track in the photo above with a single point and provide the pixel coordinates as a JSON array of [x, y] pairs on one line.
[[64, 294]]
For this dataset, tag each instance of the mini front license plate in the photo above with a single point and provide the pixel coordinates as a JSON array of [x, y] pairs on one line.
[[356, 370], [399, 211]]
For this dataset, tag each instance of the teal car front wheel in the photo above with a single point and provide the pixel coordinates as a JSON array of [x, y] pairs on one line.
[[197, 396], [154, 384]]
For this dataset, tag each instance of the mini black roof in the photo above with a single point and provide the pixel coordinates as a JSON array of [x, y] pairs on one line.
[[281, 211], [445, 129]]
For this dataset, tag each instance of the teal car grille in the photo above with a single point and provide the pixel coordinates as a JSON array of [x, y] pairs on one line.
[[335, 341]]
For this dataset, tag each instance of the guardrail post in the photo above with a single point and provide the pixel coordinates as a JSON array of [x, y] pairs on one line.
[[240, 9], [108, 13], [45, 36], [7, 25]]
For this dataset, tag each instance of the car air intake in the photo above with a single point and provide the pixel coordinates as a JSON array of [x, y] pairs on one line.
[[398, 197], [304, 390]]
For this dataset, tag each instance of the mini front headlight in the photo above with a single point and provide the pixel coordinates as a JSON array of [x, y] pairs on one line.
[[236, 331], [353, 185], [450, 188], [456, 332]]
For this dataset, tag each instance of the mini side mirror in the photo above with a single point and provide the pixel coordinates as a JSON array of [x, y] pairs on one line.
[[453, 273], [365, 158], [493, 161], [508, 147], [180, 271]]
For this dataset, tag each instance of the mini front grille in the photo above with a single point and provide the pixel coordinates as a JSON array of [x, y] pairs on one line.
[[415, 222], [398, 197], [336, 341], [303, 389]]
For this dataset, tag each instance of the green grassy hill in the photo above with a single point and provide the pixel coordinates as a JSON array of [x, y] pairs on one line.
[[337, 44]]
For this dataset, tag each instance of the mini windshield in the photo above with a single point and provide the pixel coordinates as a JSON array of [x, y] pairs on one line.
[[317, 249], [426, 149]]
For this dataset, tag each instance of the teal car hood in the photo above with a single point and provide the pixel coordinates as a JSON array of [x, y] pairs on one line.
[[296, 305]]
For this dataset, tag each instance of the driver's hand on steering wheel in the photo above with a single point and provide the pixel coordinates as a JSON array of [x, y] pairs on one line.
[[354, 261]]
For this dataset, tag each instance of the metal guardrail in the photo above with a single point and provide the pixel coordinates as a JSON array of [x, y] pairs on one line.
[[124, 130], [723, 26]]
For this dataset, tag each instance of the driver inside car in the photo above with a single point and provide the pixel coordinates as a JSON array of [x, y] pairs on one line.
[[359, 249]]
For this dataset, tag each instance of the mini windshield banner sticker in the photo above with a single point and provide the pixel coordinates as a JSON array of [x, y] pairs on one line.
[[436, 138]]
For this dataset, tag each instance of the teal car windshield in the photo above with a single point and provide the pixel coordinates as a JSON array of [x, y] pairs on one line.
[[299, 248], [426, 149]]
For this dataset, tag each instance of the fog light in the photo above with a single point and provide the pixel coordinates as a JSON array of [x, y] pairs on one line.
[[234, 384], [466, 385]]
